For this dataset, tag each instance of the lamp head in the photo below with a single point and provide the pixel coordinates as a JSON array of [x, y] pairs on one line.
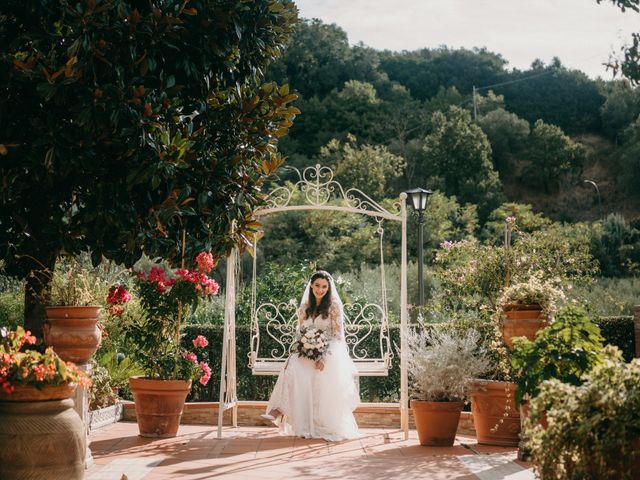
[[418, 198]]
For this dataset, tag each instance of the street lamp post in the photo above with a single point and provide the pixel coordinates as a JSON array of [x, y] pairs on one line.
[[595, 185], [418, 198]]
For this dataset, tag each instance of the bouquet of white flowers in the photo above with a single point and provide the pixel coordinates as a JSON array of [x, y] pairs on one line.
[[312, 343]]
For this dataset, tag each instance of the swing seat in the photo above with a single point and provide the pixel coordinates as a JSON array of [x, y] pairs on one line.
[[365, 368]]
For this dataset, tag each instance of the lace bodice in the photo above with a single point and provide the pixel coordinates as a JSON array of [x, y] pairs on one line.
[[332, 324]]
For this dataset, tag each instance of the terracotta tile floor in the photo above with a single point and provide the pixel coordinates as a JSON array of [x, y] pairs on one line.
[[260, 453]]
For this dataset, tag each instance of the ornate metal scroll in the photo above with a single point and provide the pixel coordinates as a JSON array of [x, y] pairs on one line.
[[320, 190]]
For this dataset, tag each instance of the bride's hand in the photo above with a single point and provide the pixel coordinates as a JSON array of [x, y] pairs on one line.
[[319, 365]]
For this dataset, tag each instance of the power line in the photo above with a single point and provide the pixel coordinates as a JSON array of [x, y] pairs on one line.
[[476, 89]]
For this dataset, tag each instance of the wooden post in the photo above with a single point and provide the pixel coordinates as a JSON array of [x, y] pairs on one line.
[[636, 328]]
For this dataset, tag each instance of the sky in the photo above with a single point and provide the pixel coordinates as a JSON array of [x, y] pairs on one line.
[[582, 33]]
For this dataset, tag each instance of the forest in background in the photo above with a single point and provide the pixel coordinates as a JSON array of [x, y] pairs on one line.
[[389, 121], [538, 133]]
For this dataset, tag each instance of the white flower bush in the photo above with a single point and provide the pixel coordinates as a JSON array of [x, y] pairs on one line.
[[442, 365]]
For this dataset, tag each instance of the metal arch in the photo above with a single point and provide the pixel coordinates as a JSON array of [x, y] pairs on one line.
[[318, 189]]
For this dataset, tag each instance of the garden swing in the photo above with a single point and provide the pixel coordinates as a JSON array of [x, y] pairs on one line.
[[273, 324]]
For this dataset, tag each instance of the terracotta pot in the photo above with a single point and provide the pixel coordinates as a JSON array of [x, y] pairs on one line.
[[73, 332], [522, 321], [41, 440], [28, 393], [159, 405], [436, 422], [488, 406]]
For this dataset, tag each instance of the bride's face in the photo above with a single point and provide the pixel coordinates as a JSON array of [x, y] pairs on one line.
[[319, 287]]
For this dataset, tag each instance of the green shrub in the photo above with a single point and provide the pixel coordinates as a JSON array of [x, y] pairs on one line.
[[565, 350], [11, 308], [593, 429], [619, 331]]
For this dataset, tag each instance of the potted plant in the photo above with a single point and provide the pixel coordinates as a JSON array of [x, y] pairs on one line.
[[441, 367], [593, 429], [567, 349], [71, 326], [155, 341], [36, 412], [527, 306]]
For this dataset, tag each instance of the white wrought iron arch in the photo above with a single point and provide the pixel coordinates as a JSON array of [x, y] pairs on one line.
[[320, 191]]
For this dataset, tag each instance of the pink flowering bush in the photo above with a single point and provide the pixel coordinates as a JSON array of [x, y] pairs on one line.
[[21, 366], [166, 295]]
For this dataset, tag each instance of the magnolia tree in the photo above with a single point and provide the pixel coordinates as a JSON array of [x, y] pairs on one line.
[[125, 123]]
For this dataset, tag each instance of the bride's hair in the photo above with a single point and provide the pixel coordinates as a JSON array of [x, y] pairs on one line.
[[322, 309]]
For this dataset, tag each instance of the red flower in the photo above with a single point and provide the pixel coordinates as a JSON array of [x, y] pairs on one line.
[[118, 295]]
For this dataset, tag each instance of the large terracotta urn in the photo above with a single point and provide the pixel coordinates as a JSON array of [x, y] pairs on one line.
[[41, 435], [436, 422], [159, 405], [522, 321], [489, 405], [73, 332]]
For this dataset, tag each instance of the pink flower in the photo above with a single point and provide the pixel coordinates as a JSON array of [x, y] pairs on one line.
[[205, 262], [200, 341], [211, 287], [206, 373], [190, 356]]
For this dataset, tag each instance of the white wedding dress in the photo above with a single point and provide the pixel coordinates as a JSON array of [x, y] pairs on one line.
[[314, 403]]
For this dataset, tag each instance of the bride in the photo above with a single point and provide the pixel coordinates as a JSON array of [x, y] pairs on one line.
[[317, 399]]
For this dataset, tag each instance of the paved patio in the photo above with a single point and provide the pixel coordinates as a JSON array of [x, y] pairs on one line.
[[260, 453]]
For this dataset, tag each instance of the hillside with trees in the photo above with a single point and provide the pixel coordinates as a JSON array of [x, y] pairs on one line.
[[531, 136]]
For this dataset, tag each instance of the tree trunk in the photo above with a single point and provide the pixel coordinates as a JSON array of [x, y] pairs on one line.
[[37, 294]]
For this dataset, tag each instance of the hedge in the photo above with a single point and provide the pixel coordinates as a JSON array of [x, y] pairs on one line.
[[616, 331]]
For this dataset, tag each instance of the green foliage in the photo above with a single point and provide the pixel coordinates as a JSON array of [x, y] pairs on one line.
[[629, 157], [557, 95], [318, 59], [332, 240], [443, 365], [552, 155], [101, 392], [73, 285], [619, 332], [425, 71], [124, 124], [472, 275], [528, 221], [609, 296], [620, 109], [276, 283], [507, 134], [458, 154], [565, 350], [119, 368], [533, 291], [616, 246], [11, 302], [593, 429], [371, 169]]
